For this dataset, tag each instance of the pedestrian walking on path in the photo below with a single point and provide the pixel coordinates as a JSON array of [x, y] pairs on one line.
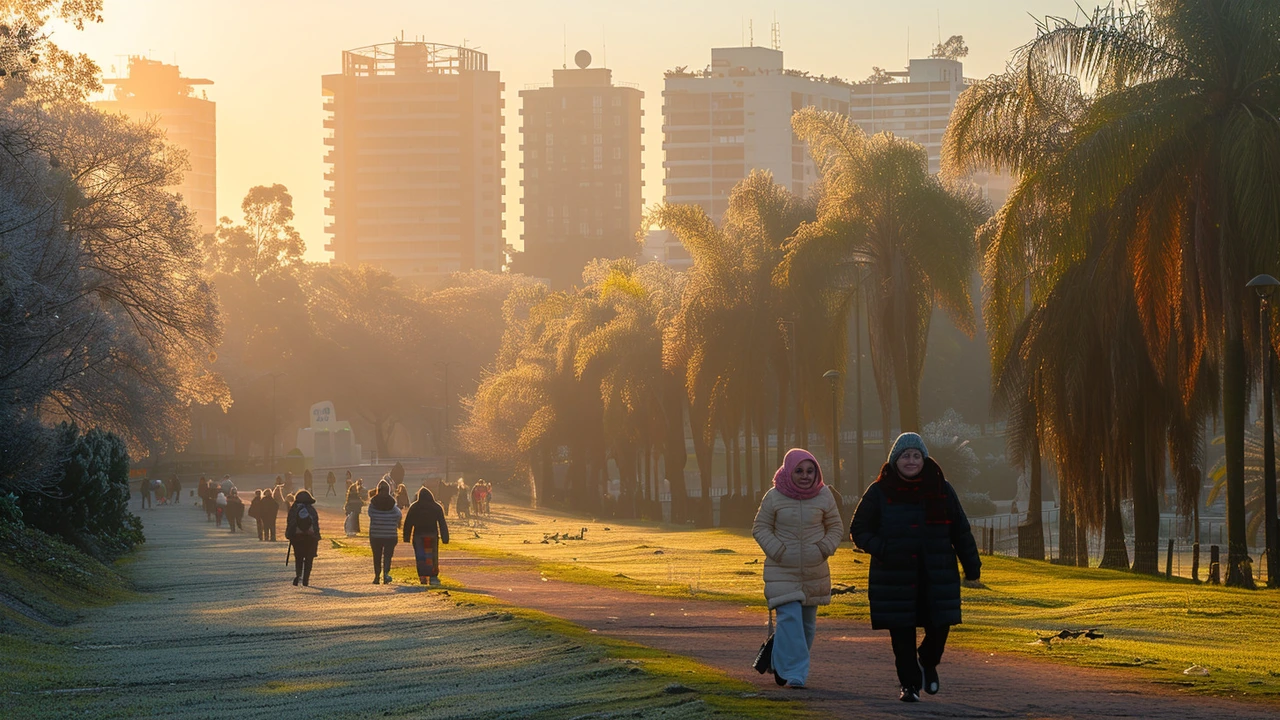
[[255, 511], [220, 508], [384, 526], [269, 510], [331, 480], [235, 511], [426, 528], [402, 497], [911, 522], [302, 529], [205, 491], [798, 527], [144, 489], [352, 510]]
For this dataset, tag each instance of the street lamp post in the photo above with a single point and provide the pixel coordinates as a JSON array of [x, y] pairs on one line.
[[444, 364], [834, 378], [271, 451], [857, 367], [1265, 286]]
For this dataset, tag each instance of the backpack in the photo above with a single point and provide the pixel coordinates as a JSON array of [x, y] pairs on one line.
[[305, 521]]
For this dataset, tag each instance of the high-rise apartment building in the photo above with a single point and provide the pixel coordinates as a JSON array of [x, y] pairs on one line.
[[156, 92], [416, 153], [917, 106], [735, 117], [581, 145]]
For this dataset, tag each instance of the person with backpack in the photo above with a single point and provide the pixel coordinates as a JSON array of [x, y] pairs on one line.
[[384, 521], [235, 511], [255, 510], [268, 511], [302, 529], [352, 510], [426, 528]]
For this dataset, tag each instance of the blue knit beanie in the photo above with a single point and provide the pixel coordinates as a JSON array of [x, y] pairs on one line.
[[907, 441]]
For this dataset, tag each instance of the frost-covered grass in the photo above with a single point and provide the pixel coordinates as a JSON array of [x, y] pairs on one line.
[[219, 631], [1153, 626]]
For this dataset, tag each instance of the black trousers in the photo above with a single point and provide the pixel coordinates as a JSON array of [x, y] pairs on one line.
[[302, 567], [269, 529], [905, 651], [383, 549]]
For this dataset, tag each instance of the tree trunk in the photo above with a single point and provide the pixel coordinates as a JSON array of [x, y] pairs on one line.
[[1066, 526], [784, 396], [1234, 394], [675, 456], [749, 462], [1115, 554], [1031, 530], [1146, 502], [765, 476], [704, 452]]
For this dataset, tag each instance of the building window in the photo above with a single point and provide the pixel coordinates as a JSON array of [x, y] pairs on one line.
[[548, 119], [599, 232], [617, 153], [617, 101], [598, 139], [617, 121], [598, 156], [617, 190], [583, 229], [599, 119], [551, 212], [551, 139], [597, 101]]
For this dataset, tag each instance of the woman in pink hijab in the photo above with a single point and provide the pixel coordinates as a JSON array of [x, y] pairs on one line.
[[798, 527]]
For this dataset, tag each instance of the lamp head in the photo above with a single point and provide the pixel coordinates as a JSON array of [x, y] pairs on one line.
[[1264, 285], [832, 376]]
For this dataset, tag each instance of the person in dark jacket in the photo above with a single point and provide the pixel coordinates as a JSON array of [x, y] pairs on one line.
[[235, 511], [144, 489], [175, 489], [206, 499], [331, 480], [268, 511], [255, 510], [355, 501], [402, 497], [302, 528], [911, 523], [426, 528], [384, 523]]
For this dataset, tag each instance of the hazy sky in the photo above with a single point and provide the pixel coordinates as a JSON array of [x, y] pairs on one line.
[[266, 58]]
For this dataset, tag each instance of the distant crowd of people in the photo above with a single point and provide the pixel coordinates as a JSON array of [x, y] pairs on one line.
[[393, 517]]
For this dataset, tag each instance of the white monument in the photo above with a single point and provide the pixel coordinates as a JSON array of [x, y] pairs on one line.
[[329, 441]]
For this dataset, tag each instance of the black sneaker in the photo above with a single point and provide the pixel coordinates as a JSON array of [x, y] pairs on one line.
[[931, 680], [376, 579], [296, 579], [779, 680], [909, 694]]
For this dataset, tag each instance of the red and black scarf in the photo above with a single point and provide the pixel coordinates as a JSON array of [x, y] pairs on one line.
[[928, 489]]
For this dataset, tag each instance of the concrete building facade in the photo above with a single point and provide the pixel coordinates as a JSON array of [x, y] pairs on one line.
[[735, 117], [581, 145], [917, 106], [415, 149], [156, 92]]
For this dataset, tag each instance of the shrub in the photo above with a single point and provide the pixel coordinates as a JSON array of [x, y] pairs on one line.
[[89, 508], [977, 504]]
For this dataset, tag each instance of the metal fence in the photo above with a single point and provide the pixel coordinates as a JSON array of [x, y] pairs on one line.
[[998, 535]]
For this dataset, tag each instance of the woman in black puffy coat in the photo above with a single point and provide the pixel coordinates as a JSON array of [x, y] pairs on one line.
[[911, 522]]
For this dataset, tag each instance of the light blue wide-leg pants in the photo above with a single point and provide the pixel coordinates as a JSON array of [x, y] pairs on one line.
[[792, 639]]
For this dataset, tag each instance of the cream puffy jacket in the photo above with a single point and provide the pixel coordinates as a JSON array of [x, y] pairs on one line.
[[797, 537]]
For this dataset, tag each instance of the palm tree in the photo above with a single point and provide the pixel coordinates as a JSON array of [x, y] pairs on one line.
[[880, 206], [1179, 151]]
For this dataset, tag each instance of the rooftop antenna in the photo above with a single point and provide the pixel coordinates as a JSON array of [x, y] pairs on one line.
[[776, 30], [751, 32], [564, 62], [604, 49], [939, 27]]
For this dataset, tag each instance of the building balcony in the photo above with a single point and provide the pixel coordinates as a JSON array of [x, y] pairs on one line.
[[331, 141], [330, 123]]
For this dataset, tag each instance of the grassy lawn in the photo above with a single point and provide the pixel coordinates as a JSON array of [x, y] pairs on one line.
[[1155, 627]]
